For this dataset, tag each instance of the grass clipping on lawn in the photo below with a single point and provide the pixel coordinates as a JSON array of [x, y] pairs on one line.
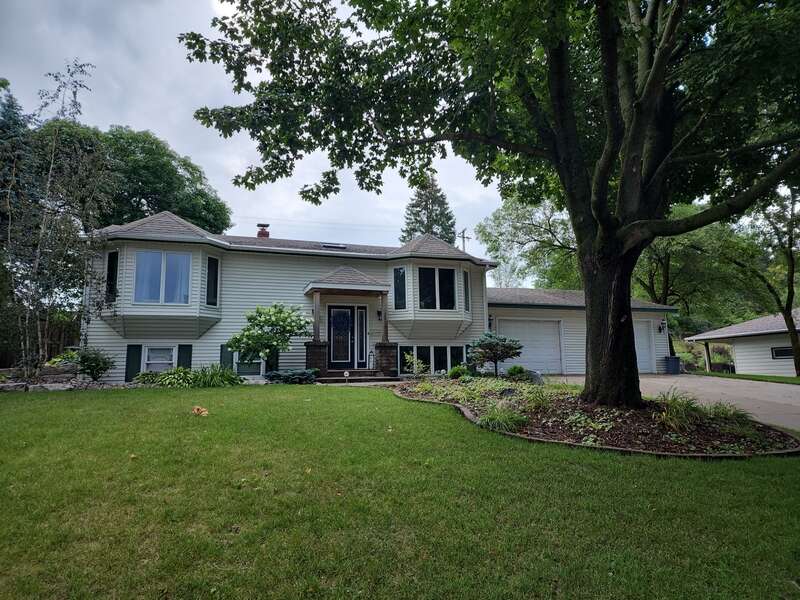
[[674, 422]]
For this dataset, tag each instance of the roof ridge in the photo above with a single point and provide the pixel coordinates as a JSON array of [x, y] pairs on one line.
[[183, 221]]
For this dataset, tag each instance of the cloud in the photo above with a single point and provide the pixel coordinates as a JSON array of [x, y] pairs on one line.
[[143, 80]]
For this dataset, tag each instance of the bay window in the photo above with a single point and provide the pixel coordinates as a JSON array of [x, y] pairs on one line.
[[162, 277], [437, 288]]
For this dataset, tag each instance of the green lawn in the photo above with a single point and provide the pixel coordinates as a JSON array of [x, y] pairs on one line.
[[767, 378], [334, 492]]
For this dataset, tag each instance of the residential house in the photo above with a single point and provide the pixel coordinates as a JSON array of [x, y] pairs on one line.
[[760, 346], [177, 293]]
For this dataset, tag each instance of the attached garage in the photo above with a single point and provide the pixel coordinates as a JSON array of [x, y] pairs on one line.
[[541, 340], [551, 324]]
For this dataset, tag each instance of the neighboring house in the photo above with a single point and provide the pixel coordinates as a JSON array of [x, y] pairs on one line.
[[176, 294], [759, 346]]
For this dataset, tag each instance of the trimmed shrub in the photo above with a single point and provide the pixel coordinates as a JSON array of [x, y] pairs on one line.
[[94, 362], [520, 373], [292, 376], [458, 372], [494, 348]]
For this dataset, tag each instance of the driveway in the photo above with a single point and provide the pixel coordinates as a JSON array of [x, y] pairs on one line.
[[774, 403]]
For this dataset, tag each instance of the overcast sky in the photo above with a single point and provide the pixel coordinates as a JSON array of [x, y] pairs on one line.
[[143, 80]]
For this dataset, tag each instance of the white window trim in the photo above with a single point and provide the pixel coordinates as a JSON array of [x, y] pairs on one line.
[[772, 353], [466, 279], [405, 281], [163, 278], [146, 348], [219, 282], [105, 267], [431, 347], [436, 287], [350, 351], [366, 335], [261, 370]]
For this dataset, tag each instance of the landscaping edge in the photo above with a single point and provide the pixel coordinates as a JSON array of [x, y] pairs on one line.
[[470, 416]]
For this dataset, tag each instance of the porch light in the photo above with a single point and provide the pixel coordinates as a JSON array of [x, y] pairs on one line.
[[380, 315], [662, 326], [491, 322]]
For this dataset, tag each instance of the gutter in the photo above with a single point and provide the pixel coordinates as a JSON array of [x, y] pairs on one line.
[[577, 307]]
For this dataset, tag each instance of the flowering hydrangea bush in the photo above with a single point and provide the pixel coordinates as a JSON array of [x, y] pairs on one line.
[[269, 329]]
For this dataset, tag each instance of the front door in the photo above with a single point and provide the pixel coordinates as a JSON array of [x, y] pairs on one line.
[[341, 337]]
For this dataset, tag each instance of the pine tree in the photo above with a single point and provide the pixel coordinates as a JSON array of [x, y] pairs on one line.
[[428, 212]]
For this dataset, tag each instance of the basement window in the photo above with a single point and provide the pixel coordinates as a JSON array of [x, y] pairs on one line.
[[159, 358]]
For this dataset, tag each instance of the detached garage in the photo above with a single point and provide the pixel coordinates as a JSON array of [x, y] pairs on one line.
[[760, 346], [551, 326]]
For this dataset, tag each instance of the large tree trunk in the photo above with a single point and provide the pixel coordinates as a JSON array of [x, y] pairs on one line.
[[794, 339], [612, 377]]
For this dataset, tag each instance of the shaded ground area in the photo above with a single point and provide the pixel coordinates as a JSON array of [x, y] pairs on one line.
[[773, 403], [324, 492]]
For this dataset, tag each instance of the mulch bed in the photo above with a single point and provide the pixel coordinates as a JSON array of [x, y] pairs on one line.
[[568, 420]]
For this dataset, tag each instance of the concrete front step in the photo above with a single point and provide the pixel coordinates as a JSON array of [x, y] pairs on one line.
[[353, 372], [370, 379]]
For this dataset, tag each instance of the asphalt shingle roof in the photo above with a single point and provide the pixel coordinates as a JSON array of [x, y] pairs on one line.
[[554, 298], [759, 326], [170, 226], [348, 276]]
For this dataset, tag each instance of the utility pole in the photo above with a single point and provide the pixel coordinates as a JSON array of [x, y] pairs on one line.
[[464, 237]]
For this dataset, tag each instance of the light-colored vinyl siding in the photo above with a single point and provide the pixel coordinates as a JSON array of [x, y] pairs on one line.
[[249, 279], [573, 333], [753, 355]]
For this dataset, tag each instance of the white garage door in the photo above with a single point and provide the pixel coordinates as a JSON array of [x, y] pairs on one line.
[[541, 344], [644, 348]]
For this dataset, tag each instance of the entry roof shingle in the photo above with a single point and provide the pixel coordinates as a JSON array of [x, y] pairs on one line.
[[555, 298], [348, 276], [759, 326]]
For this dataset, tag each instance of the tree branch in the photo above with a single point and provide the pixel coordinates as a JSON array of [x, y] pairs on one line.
[[648, 90], [473, 136], [640, 231], [571, 163], [537, 115], [776, 141], [609, 29]]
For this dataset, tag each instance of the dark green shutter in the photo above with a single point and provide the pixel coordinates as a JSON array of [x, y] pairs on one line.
[[272, 361], [185, 355], [225, 356], [133, 361]]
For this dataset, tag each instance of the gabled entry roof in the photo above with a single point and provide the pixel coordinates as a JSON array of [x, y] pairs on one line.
[[346, 279]]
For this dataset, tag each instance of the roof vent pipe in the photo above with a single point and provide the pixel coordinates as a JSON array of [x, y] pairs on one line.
[[263, 230]]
